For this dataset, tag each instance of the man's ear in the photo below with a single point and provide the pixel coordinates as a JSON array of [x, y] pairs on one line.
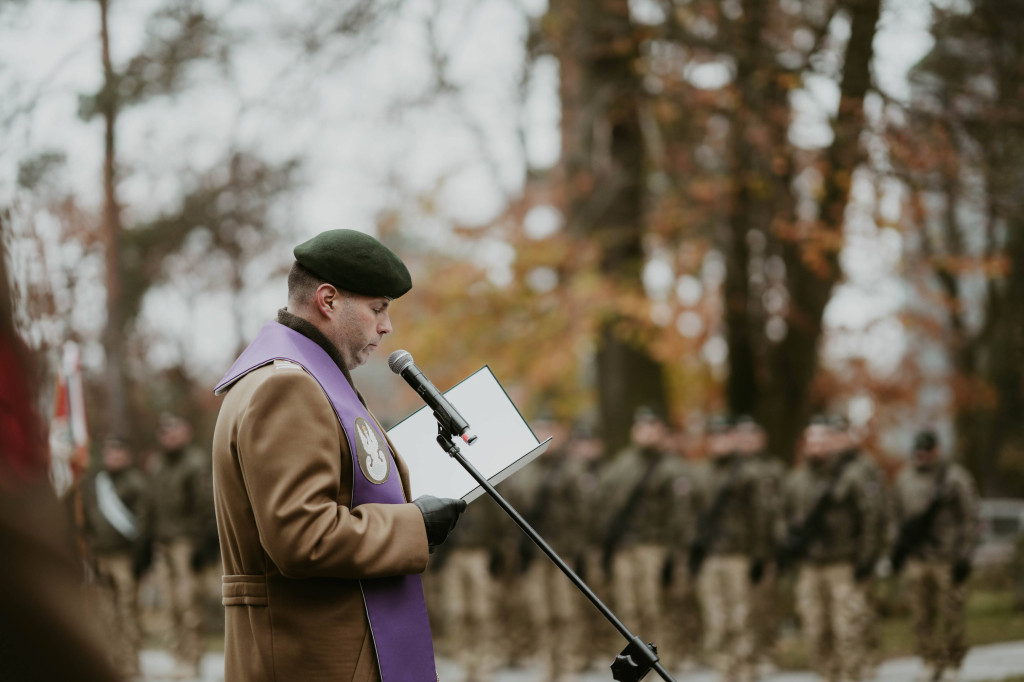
[[326, 298]]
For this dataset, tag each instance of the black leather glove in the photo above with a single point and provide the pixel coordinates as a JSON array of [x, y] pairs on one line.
[[961, 570], [439, 517], [863, 570], [756, 572]]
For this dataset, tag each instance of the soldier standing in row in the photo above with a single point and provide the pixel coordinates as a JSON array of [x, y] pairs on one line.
[[935, 507], [468, 598], [833, 510], [769, 472], [640, 490], [557, 509], [843, 443], [727, 555], [112, 501], [587, 448], [680, 598], [181, 505]]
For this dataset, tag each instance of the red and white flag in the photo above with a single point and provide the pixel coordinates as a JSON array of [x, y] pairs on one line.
[[69, 432]]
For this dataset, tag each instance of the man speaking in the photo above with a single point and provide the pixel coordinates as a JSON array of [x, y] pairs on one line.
[[321, 547]]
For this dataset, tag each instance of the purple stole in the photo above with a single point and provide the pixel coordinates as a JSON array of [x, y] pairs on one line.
[[395, 607]]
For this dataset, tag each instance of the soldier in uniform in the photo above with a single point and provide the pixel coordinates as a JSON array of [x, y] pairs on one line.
[[468, 589], [832, 507], [769, 472], [640, 488], [113, 500], [586, 448], [935, 508], [180, 507], [728, 553], [843, 443], [556, 508], [682, 610]]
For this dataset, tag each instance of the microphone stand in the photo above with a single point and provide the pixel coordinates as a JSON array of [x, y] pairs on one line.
[[637, 659]]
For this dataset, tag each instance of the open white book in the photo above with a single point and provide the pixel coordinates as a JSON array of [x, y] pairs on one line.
[[505, 442]]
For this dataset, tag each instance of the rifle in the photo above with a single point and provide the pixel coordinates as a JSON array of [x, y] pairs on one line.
[[527, 550], [707, 526], [915, 530], [799, 537], [620, 522]]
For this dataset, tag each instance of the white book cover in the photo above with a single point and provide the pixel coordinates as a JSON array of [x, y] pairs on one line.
[[505, 442]]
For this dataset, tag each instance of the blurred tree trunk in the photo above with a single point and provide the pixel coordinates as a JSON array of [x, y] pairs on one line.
[[977, 132], [812, 262], [760, 167], [113, 333], [604, 166], [1002, 134]]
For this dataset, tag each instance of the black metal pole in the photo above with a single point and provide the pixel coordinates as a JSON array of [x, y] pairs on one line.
[[637, 659]]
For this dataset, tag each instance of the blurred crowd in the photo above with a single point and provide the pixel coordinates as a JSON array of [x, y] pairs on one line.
[[687, 541], [150, 526]]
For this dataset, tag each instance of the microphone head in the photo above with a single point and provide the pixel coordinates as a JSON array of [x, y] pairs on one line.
[[399, 360]]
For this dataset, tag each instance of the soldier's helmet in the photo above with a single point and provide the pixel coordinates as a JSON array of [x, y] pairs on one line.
[[718, 423], [925, 441], [648, 413]]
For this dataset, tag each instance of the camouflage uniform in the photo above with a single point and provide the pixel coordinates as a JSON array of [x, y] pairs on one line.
[[638, 556], [769, 473], [599, 638], [515, 637], [556, 506], [831, 601], [936, 598], [181, 503], [872, 623], [734, 546], [468, 589], [682, 618], [113, 556]]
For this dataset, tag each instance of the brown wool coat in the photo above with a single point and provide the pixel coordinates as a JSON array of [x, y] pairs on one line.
[[292, 548]]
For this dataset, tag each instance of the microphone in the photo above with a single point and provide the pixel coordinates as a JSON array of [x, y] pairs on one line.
[[401, 363]]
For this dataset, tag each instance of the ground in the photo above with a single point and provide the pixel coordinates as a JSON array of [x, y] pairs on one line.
[[990, 663]]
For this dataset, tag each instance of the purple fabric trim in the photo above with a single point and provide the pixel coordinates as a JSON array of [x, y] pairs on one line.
[[395, 606]]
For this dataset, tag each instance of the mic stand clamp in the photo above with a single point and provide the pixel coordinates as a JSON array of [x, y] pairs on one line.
[[635, 661], [638, 658]]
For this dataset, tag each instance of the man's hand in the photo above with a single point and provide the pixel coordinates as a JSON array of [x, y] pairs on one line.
[[439, 517]]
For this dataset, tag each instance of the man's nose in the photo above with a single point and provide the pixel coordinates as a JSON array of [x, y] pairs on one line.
[[385, 326]]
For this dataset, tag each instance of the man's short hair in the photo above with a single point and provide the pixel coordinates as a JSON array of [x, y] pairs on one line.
[[302, 283]]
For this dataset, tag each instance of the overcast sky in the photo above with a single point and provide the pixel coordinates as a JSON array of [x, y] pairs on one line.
[[370, 137]]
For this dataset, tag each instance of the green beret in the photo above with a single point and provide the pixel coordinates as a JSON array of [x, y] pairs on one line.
[[355, 262]]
